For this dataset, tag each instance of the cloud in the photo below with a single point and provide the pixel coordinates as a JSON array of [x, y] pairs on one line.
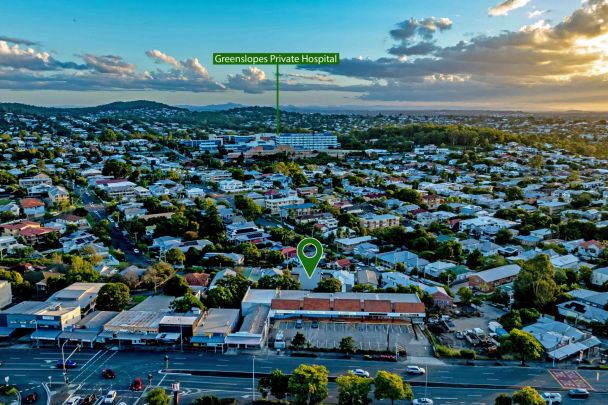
[[162, 57], [315, 77], [111, 64], [13, 56], [421, 48], [506, 7], [425, 28], [18, 41], [536, 13], [536, 62], [421, 30]]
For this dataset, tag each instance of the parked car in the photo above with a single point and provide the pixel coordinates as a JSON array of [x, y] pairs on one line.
[[30, 398], [108, 374], [110, 397], [552, 397], [137, 385], [315, 324], [422, 401], [75, 400], [136, 251], [415, 370], [299, 324], [578, 393], [68, 364], [89, 400], [360, 372]]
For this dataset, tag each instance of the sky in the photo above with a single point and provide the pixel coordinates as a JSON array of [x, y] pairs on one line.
[[458, 54]]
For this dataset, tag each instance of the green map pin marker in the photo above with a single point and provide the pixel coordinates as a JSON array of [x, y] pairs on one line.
[[310, 263]]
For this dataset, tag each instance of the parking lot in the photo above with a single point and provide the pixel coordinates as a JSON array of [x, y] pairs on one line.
[[367, 336]]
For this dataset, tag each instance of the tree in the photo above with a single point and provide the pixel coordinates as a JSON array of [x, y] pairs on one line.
[[511, 320], [156, 274], [186, 303], [113, 297], [391, 386], [535, 286], [176, 286], [175, 256], [248, 207], [81, 271], [308, 384], [347, 344], [299, 340], [514, 193], [158, 396], [503, 399], [353, 390], [220, 297], [503, 236], [116, 169], [277, 383], [466, 295], [522, 343], [528, 396], [330, 285]]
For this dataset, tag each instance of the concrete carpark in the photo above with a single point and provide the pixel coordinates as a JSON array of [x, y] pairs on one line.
[[367, 336], [488, 313]]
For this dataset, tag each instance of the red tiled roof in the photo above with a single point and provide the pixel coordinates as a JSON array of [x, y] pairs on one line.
[[197, 279], [349, 305], [343, 262], [317, 304], [278, 303], [21, 225], [31, 203], [377, 306], [409, 307], [37, 231]]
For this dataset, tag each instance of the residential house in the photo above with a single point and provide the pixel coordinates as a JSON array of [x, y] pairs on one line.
[[488, 280]]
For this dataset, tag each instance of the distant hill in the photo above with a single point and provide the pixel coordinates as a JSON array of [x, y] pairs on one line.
[[121, 106], [212, 107]]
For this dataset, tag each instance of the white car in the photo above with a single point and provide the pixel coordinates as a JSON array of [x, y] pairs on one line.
[[110, 397], [422, 401], [75, 400], [360, 372], [552, 397], [415, 370], [136, 251]]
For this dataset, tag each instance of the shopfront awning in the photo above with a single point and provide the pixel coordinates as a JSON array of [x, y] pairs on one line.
[[45, 334]]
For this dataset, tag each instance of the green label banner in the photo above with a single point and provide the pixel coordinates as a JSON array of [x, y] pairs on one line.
[[245, 58]]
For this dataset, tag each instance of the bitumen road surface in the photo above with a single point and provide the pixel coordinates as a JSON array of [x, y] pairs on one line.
[[230, 375], [119, 241]]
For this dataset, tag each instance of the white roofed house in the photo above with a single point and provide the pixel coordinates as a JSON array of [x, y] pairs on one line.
[[484, 225], [560, 340]]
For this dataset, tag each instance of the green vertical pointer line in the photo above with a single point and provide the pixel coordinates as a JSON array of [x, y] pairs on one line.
[[277, 125]]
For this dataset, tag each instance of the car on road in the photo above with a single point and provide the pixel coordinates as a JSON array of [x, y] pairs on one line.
[[552, 397], [75, 400], [578, 393], [68, 364], [108, 374], [422, 401], [136, 251], [89, 400], [415, 370], [137, 385], [30, 398], [360, 372], [110, 397]]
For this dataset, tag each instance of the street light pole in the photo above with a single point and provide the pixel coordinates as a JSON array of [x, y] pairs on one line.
[[253, 380]]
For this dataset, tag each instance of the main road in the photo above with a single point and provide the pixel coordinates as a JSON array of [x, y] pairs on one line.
[[230, 375]]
